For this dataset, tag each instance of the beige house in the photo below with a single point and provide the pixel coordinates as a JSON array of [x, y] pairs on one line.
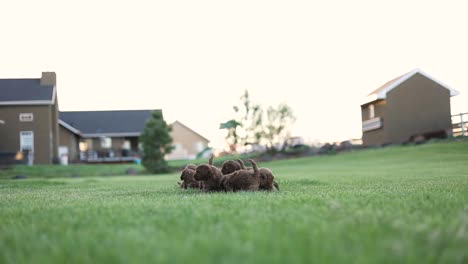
[[187, 143], [409, 106]]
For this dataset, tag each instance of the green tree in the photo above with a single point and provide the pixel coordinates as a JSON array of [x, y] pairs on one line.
[[253, 125], [244, 129], [275, 130], [156, 143]]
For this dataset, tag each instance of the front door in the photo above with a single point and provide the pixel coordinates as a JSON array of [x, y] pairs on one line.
[[27, 145]]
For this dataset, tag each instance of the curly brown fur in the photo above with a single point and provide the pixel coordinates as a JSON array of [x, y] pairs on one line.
[[230, 166], [188, 181], [241, 164], [242, 180], [190, 166], [209, 176], [266, 178]]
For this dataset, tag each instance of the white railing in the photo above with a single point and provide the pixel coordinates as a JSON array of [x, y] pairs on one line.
[[460, 124], [372, 124]]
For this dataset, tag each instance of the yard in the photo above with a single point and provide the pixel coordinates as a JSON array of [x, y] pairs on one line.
[[398, 204]]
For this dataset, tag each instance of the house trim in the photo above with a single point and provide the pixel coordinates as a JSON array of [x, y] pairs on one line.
[[67, 126], [125, 134], [35, 102], [372, 124]]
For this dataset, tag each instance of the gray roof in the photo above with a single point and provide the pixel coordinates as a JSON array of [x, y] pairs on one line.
[[107, 123], [25, 91]]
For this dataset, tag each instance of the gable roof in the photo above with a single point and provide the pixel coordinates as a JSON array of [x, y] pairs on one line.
[[25, 92], [381, 92], [191, 130], [118, 123]]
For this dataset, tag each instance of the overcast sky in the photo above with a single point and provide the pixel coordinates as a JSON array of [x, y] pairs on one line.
[[193, 59]]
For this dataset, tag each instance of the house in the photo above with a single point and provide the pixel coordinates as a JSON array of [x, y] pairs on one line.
[[29, 114], [30, 122], [102, 136], [410, 106], [187, 143]]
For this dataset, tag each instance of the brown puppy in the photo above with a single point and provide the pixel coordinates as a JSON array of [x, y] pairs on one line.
[[267, 180], [209, 176], [230, 166], [187, 178], [242, 180], [190, 166]]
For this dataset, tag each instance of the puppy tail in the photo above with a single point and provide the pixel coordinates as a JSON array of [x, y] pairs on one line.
[[254, 166], [241, 163], [222, 183], [210, 161], [276, 185]]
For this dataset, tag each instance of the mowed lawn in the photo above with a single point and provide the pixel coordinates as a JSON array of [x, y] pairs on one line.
[[392, 205]]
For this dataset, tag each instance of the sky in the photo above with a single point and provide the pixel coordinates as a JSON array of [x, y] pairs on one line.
[[193, 59]]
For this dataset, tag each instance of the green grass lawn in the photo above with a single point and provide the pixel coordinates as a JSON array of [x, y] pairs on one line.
[[87, 170], [392, 205]]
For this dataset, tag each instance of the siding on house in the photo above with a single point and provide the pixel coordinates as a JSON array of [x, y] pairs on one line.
[[187, 142], [71, 141], [374, 137], [417, 106], [42, 126]]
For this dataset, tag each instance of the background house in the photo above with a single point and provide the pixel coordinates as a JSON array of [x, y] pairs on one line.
[[187, 143], [29, 110], [102, 136], [30, 122], [414, 104]]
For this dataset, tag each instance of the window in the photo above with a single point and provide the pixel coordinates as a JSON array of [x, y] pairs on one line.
[[199, 146], [371, 111], [83, 146], [27, 140], [126, 144], [106, 142], [26, 117]]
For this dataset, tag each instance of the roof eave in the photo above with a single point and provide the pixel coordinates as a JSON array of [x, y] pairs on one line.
[[32, 102], [371, 98], [123, 134], [383, 94], [69, 127]]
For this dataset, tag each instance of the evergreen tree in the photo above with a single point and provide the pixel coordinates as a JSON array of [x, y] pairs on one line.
[[156, 143]]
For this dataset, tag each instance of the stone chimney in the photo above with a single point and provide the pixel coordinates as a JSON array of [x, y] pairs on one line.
[[48, 79]]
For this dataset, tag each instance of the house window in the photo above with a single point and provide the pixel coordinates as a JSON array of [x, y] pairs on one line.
[[106, 142], [371, 111], [199, 146], [26, 117], [27, 140], [126, 144], [83, 146]]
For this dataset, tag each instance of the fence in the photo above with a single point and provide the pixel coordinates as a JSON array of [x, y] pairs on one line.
[[460, 124]]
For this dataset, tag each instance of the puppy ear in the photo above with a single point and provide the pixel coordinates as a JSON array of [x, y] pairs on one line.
[[202, 172]]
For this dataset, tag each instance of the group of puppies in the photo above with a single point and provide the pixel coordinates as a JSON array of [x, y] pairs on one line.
[[232, 177]]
